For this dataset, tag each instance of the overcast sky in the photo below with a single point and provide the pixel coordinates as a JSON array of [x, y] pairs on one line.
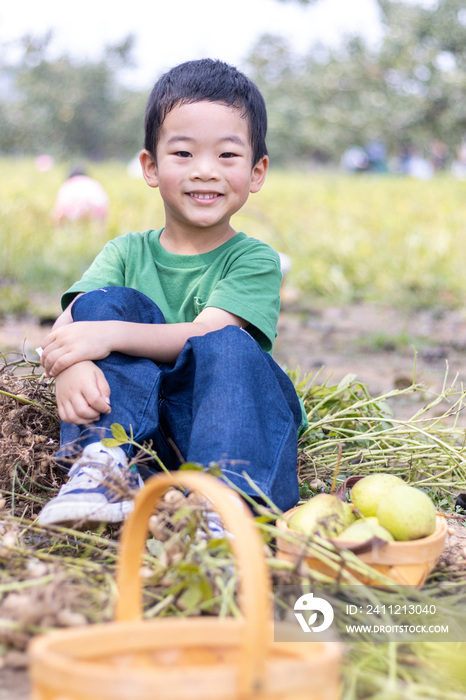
[[170, 31]]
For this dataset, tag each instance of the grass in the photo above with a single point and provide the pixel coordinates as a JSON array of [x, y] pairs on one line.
[[384, 238], [373, 238]]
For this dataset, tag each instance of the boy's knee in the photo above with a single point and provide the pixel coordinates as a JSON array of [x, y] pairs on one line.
[[231, 339], [114, 304], [234, 335], [230, 347]]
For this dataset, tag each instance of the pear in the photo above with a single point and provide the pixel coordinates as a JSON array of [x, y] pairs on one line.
[[366, 493], [364, 530], [322, 515], [407, 512], [349, 514]]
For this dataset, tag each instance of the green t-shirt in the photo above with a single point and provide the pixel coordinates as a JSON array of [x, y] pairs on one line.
[[241, 276]]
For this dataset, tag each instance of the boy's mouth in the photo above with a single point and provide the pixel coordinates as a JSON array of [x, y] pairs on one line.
[[204, 196]]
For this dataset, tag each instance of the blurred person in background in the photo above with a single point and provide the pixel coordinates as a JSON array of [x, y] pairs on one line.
[[80, 198]]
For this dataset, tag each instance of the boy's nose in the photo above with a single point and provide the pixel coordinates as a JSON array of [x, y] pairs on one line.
[[204, 168]]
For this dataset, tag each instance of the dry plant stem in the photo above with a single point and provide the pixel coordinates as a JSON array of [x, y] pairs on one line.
[[402, 440], [227, 595], [58, 531], [71, 562], [164, 603], [13, 492], [356, 406], [22, 585], [368, 401], [337, 469], [22, 399], [399, 429], [18, 627]]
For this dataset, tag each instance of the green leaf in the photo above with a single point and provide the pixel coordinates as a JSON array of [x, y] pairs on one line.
[[346, 381], [111, 442], [191, 597], [188, 567], [206, 589], [119, 433], [191, 466]]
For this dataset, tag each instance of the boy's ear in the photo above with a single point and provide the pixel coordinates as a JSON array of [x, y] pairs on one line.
[[258, 174], [149, 168]]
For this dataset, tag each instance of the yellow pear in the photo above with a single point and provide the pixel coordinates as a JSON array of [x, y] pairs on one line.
[[363, 531], [323, 515], [366, 493], [407, 512], [349, 514]]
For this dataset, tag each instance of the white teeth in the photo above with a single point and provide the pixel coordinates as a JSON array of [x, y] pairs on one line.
[[199, 195]]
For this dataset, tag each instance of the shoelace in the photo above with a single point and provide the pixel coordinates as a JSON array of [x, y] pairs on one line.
[[82, 477]]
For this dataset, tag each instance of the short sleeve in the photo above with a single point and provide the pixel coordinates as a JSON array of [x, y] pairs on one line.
[[251, 290], [107, 270]]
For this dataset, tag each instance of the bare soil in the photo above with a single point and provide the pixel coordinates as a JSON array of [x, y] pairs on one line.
[[384, 346], [454, 554], [14, 682]]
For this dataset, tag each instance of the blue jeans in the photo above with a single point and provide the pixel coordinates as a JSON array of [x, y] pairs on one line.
[[224, 400]]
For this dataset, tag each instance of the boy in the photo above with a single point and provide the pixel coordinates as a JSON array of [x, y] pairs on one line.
[[169, 332]]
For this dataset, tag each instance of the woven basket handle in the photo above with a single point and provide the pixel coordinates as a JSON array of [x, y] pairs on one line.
[[248, 549]]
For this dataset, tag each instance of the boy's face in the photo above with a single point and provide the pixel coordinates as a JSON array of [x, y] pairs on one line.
[[204, 165]]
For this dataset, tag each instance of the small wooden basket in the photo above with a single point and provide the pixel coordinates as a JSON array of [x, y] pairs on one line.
[[407, 563], [198, 658]]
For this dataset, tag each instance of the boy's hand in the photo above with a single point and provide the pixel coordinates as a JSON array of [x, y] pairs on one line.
[[82, 393], [75, 342]]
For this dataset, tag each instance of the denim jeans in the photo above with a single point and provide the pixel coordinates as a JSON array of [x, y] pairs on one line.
[[224, 400]]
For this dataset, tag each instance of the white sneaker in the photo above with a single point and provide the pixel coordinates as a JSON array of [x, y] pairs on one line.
[[213, 520], [100, 489]]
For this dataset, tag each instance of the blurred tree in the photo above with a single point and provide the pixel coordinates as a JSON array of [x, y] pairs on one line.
[[64, 108], [410, 89], [423, 66]]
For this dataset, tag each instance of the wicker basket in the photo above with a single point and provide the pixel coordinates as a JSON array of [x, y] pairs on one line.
[[199, 658], [406, 563]]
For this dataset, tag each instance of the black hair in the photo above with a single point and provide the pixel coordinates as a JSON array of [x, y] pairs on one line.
[[213, 81]]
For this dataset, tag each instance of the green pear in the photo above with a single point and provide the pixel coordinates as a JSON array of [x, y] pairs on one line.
[[366, 493], [407, 512], [363, 531], [322, 515]]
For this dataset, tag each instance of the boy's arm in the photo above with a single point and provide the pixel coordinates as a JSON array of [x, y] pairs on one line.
[[93, 340]]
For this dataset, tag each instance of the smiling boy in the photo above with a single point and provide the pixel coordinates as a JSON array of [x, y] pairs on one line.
[[169, 332]]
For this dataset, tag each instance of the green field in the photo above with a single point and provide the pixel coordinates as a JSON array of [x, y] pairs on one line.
[[382, 239], [377, 238]]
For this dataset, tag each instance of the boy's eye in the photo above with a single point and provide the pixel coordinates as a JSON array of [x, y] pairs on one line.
[[183, 154], [228, 155]]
